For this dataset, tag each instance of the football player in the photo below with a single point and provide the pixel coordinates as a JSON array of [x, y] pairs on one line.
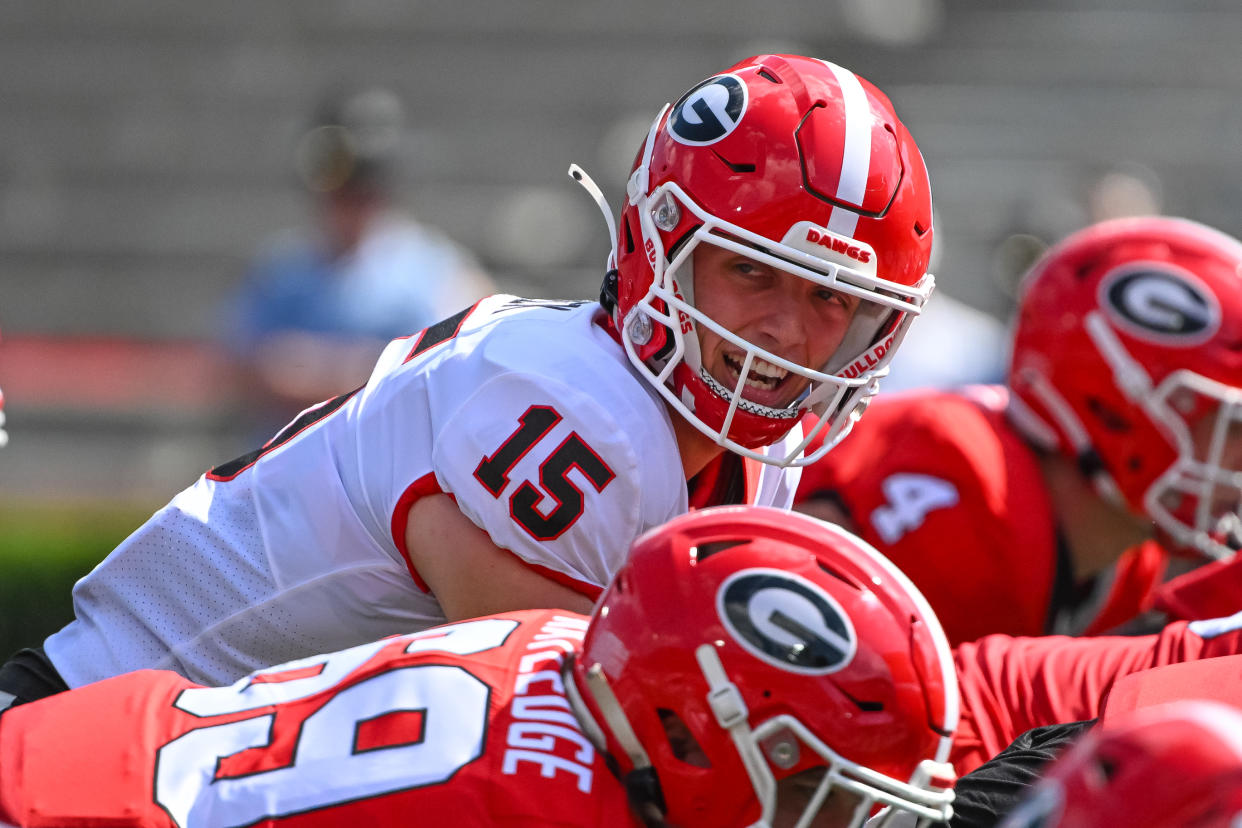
[[770, 254], [1179, 764], [746, 667], [1165, 750], [1013, 508], [1011, 685]]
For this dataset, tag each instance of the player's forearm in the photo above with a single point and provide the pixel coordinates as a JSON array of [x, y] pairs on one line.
[[1010, 685]]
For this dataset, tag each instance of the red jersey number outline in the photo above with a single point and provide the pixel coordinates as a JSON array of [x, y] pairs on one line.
[[573, 453], [328, 768]]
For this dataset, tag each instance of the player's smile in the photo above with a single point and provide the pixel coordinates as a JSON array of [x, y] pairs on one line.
[[784, 315], [764, 381]]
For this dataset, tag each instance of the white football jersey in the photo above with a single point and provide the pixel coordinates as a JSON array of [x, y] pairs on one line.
[[526, 412]]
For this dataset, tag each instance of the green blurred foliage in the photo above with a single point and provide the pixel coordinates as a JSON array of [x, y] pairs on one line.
[[44, 549]]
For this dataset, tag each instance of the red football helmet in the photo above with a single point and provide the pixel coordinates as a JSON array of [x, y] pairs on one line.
[[775, 644], [1175, 764], [803, 166], [1127, 354]]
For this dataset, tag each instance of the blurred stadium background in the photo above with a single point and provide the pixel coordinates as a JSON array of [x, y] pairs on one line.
[[145, 152]]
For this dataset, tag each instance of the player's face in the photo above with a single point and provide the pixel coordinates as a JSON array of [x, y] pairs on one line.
[[1217, 437], [791, 317], [1206, 492]]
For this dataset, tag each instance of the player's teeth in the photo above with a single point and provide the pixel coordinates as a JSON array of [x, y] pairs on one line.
[[763, 375], [767, 370]]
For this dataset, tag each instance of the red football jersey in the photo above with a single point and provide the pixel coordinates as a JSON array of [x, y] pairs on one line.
[[1010, 685], [461, 725], [943, 485]]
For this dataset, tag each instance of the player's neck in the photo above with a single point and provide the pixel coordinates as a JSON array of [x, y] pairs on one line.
[[1096, 530], [696, 448]]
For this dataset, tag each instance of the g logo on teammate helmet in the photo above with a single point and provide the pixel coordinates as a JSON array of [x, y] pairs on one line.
[[709, 111], [1155, 302], [786, 621]]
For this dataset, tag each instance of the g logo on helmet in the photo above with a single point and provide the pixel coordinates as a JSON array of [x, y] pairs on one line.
[[786, 621], [709, 111], [1157, 302]]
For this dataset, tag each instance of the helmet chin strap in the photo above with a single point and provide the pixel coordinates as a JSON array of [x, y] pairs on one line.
[[640, 180], [579, 707], [731, 713], [642, 785], [1129, 374], [614, 717], [1073, 429]]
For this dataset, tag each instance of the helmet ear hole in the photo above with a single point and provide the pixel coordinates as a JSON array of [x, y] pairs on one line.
[[1108, 416], [681, 741], [627, 234]]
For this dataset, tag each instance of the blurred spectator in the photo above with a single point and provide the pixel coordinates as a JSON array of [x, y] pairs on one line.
[[1060, 207], [318, 305]]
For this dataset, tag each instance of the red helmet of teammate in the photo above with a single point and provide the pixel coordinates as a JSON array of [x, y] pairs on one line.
[[741, 646], [1176, 764], [801, 165], [1127, 355]]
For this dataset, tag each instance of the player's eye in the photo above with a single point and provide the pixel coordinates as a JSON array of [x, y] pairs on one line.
[[747, 267], [836, 297]]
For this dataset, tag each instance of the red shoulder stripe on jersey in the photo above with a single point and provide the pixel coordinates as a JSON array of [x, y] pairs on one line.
[[581, 587], [423, 486], [428, 485]]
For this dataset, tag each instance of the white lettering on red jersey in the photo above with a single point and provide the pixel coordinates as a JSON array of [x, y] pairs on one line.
[[466, 725], [528, 413]]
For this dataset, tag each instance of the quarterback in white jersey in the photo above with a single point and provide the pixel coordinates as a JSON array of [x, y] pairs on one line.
[[527, 413], [770, 255]]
